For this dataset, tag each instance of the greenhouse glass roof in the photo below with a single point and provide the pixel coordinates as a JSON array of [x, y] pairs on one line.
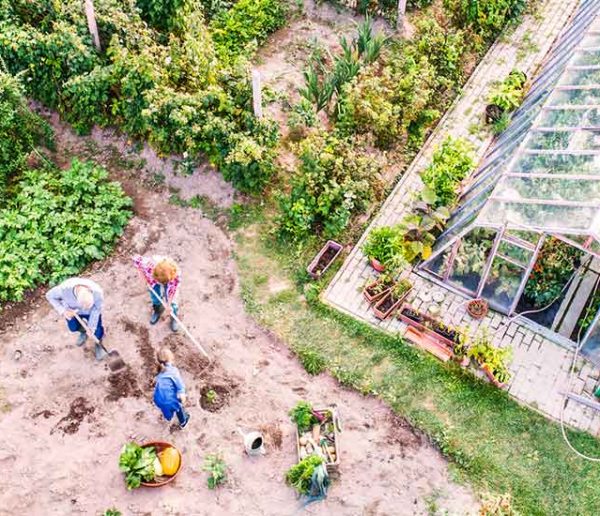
[[540, 178]]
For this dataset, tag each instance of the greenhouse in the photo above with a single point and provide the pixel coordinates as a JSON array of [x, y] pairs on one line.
[[525, 235]]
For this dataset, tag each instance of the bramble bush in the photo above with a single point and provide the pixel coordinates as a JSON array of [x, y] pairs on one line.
[[169, 88], [20, 132], [337, 178], [56, 223], [246, 25]]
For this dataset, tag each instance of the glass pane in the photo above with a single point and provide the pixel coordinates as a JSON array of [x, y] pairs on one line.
[[558, 164], [575, 97], [471, 258], [582, 57], [553, 218], [570, 118], [591, 348], [528, 236], [580, 77], [548, 189], [549, 140], [439, 264], [515, 253], [503, 283]]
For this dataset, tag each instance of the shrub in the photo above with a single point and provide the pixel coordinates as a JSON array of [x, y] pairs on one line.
[[385, 244], [161, 14], [485, 18], [336, 179], [312, 361], [246, 24], [508, 94], [451, 163], [56, 223], [20, 131]]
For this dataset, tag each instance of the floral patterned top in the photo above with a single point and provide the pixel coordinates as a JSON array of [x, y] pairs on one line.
[[146, 266]]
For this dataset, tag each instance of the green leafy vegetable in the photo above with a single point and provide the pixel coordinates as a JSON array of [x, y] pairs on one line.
[[299, 476], [302, 415], [137, 463]]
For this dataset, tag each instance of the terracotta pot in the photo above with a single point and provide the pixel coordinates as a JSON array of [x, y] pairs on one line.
[[378, 311], [478, 308], [334, 248], [421, 326], [160, 446], [377, 265], [492, 378]]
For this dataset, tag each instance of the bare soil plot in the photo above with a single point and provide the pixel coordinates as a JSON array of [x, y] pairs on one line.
[[64, 418]]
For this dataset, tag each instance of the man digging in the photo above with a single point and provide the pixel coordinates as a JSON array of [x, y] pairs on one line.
[[162, 278], [83, 298]]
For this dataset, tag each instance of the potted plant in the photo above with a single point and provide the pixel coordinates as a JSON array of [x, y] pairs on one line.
[[491, 359], [477, 308], [375, 290], [461, 348], [384, 248], [391, 301], [505, 96], [324, 259], [442, 333]]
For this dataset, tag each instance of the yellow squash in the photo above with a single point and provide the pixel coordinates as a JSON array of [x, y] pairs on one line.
[[169, 460]]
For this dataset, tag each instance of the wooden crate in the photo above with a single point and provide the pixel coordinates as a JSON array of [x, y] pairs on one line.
[[332, 467]]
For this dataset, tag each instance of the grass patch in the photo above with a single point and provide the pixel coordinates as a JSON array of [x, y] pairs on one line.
[[492, 442]]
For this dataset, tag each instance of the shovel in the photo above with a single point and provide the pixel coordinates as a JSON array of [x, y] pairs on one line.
[[115, 362]]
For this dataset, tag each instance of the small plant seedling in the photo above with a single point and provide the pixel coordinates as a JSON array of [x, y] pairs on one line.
[[211, 396], [215, 465], [112, 512]]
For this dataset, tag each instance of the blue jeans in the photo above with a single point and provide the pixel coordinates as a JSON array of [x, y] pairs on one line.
[[156, 303], [74, 326], [182, 415]]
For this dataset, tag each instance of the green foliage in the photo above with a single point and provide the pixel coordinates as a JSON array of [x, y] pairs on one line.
[[217, 469], [299, 476], [56, 223], [246, 25], [485, 18], [20, 131], [451, 163], [137, 463], [491, 357], [385, 244], [302, 116], [336, 179], [113, 511], [161, 14], [302, 415], [312, 360], [508, 94], [555, 264], [500, 125]]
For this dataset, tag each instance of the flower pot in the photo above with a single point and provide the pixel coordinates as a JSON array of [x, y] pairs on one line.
[[491, 377], [388, 304], [377, 265], [493, 113], [425, 323], [371, 296], [478, 308], [324, 259]]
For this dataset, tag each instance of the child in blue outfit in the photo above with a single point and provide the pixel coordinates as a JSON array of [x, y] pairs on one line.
[[169, 393]]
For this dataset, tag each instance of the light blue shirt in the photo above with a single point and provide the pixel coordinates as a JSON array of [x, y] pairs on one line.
[[62, 297]]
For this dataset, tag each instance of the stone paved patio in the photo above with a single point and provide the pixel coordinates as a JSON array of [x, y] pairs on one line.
[[540, 368]]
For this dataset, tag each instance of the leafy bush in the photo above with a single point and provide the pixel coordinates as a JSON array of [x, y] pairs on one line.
[[56, 223], [385, 244], [247, 23], [20, 131], [486, 18], [508, 94], [337, 179], [451, 163], [312, 361], [161, 14], [488, 355]]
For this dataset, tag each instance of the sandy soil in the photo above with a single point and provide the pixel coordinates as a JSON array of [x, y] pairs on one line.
[[64, 417]]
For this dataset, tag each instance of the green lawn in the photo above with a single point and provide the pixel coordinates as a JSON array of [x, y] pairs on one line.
[[492, 442]]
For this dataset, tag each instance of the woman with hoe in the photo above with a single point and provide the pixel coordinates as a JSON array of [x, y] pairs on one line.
[[162, 277]]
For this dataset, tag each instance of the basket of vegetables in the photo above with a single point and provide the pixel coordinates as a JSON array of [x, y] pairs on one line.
[[152, 464]]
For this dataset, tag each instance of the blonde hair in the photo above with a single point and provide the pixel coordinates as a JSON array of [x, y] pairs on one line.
[[165, 355], [84, 296], [165, 270]]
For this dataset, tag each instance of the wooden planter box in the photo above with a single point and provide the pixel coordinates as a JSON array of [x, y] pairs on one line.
[[371, 298], [442, 339], [325, 257], [331, 465], [382, 313]]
